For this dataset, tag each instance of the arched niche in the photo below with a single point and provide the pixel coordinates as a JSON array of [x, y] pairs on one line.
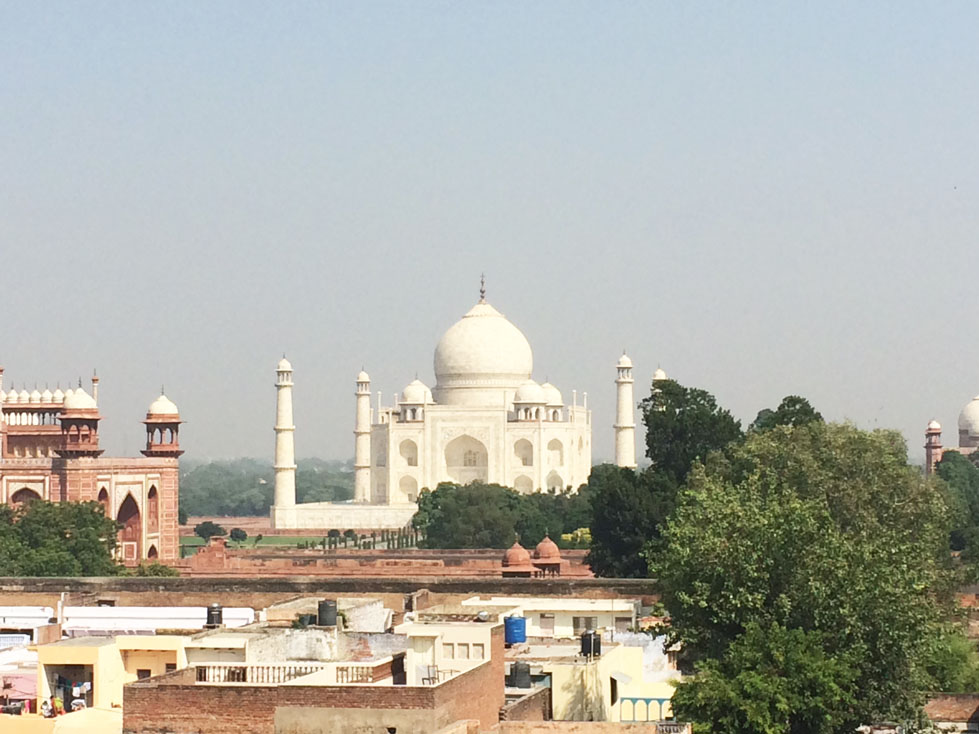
[[409, 452], [524, 484], [466, 459], [104, 501], [152, 553], [554, 481], [555, 453], [130, 535], [153, 510], [24, 496], [409, 488], [523, 450]]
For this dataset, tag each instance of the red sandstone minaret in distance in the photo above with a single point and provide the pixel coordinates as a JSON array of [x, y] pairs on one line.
[[933, 446]]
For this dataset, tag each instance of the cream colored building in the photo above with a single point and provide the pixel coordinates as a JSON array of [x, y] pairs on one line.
[[486, 419]]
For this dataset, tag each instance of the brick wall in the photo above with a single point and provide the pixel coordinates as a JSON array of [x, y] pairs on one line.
[[534, 706], [172, 704]]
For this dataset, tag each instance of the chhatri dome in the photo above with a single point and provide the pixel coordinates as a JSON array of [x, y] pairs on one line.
[[480, 358], [162, 406]]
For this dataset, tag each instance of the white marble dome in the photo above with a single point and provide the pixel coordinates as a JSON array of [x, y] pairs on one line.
[[624, 361], [79, 400], [934, 425], [969, 417], [552, 396], [162, 406], [659, 374], [416, 392], [530, 393], [284, 365], [479, 355]]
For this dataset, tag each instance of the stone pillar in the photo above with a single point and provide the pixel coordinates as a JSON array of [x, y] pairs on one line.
[[933, 446], [285, 450], [625, 423], [362, 440]]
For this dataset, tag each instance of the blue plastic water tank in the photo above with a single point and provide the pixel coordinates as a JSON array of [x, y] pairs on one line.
[[514, 630]]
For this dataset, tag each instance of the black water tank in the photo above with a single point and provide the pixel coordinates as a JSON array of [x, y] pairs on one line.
[[591, 644], [326, 613], [520, 675], [215, 615]]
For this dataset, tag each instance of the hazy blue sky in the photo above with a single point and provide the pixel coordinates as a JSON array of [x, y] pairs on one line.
[[762, 198]]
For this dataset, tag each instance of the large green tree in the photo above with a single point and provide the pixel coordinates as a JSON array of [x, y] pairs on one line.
[[792, 411], [961, 477], [820, 528], [627, 509], [684, 425], [57, 539]]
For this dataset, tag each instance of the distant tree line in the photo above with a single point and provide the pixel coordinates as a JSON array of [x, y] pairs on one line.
[[243, 487]]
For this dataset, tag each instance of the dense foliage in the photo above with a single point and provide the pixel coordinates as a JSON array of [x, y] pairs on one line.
[[792, 411], [961, 478], [57, 539], [490, 516], [243, 487], [683, 425], [817, 541], [209, 529]]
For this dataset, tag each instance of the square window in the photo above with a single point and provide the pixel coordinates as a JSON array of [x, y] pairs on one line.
[[448, 650], [462, 651], [143, 673], [479, 651]]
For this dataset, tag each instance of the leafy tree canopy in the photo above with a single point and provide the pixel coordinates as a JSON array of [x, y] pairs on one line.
[[238, 535], [820, 528], [792, 411], [683, 425], [57, 539], [771, 680], [480, 515], [208, 529], [627, 509]]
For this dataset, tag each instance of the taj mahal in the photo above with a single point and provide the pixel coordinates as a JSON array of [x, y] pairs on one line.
[[484, 420]]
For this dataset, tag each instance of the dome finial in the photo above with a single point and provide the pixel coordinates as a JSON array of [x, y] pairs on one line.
[[482, 288], [162, 390]]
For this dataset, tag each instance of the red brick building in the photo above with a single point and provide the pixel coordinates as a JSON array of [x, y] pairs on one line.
[[49, 449]]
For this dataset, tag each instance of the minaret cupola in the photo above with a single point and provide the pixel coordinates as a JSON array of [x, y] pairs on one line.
[[79, 418], [162, 428]]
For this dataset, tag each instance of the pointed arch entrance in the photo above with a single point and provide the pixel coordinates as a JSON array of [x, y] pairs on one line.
[[466, 460], [130, 535], [24, 496]]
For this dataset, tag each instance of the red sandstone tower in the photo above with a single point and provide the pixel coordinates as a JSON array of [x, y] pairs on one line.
[[933, 446]]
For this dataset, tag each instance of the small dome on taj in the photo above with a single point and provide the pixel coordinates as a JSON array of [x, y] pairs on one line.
[[79, 400], [530, 392], [934, 425], [284, 365], [552, 396], [46, 396], [547, 550], [416, 392], [35, 396], [660, 374], [968, 418], [12, 396], [58, 396], [162, 406], [624, 361], [363, 377], [516, 555]]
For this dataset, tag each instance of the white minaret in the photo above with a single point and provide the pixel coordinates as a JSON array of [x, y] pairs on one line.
[[362, 440], [285, 449], [625, 424]]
